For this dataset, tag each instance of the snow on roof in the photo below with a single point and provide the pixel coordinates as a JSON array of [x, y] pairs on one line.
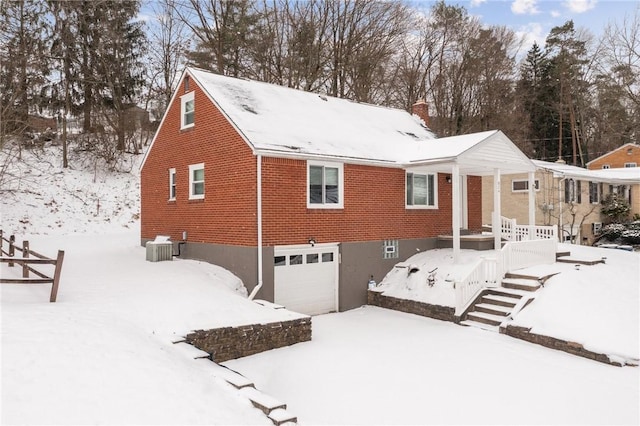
[[274, 118], [277, 120], [619, 175]]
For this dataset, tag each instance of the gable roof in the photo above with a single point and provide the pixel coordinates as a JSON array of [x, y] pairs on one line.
[[283, 122], [630, 175], [279, 120], [625, 146]]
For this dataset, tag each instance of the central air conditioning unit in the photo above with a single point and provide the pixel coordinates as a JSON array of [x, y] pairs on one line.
[[596, 227], [159, 249]]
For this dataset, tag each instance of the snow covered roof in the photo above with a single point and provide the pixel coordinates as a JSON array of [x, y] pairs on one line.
[[280, 121], [630, 175]]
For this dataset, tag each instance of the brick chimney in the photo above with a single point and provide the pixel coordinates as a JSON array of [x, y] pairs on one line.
[[421, 109]]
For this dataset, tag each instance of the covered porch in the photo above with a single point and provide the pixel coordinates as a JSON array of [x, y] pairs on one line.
[[486, 154]]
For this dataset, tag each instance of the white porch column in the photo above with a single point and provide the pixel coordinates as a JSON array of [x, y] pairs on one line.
[[497, 214], [532, 205], [455, 211]]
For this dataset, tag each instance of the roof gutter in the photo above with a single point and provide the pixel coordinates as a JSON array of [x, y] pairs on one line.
[[258, 286]]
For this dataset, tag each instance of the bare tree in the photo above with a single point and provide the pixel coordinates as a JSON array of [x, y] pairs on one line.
[[168, 42]]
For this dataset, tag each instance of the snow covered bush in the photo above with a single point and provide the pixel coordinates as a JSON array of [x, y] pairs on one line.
[[615, 208], [621, 233]]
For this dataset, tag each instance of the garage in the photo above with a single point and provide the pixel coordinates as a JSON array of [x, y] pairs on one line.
[[306, 278]]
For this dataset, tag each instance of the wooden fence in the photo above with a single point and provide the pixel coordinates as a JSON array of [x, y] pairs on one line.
[[8, 256]]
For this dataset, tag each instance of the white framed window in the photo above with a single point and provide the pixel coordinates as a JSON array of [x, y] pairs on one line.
[[606, 166], [522, 185], [196, 181], [187, 110], [572, 191], [325, 185], [595, 192], [628, 165], [422, 190], [172, 184]]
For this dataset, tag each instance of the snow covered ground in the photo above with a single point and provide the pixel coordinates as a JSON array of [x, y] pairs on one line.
[[103, 354]]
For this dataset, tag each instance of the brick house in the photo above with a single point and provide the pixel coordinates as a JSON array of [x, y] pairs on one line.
[[613, 162], [306, 197]]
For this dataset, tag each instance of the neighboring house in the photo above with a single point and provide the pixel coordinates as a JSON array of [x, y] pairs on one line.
[[307, 197], [625, 157], [565, 195]]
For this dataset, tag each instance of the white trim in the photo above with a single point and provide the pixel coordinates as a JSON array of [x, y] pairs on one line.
[[184, 99], [192, 168], [323, 205], [536, 185], [435, 192], [172, 184]]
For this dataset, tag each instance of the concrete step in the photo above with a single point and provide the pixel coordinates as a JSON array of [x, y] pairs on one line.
[[521, 284], [236, 380], [481, 325], [280, 416], [485, 318], [262, 401], [578, 261], [495, 299], [510, 275], [490, 308]]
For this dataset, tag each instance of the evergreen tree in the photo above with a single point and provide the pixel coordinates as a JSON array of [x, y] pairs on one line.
[[23, 68]]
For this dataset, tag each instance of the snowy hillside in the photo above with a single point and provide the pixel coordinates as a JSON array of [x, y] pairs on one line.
[[40, 197]]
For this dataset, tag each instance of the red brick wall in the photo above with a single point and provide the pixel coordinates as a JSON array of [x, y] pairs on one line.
[[617, 158], [227, 215], [374, 197]]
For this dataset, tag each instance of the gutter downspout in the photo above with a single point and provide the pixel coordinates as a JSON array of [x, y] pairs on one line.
[[259, 219]]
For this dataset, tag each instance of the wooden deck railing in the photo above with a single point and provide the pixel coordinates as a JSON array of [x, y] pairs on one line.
[[8, 256]]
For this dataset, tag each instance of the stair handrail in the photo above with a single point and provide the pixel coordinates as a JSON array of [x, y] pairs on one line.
[[489, 272]]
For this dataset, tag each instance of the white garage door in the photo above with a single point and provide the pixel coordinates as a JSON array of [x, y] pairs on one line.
[[306, 278]]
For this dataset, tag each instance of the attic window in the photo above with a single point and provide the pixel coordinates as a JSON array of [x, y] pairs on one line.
[[629, 151], [187, 110], [248, 108], [186, 84]]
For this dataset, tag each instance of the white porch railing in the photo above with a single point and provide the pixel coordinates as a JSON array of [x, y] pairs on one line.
[[511, 231], [488, 272]]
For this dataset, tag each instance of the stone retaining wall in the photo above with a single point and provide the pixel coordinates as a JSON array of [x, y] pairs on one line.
[[228, 343], [573, 348], [444, 313]]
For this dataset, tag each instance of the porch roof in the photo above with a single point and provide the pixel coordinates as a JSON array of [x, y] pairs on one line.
[[475, 154], [619, 176]]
